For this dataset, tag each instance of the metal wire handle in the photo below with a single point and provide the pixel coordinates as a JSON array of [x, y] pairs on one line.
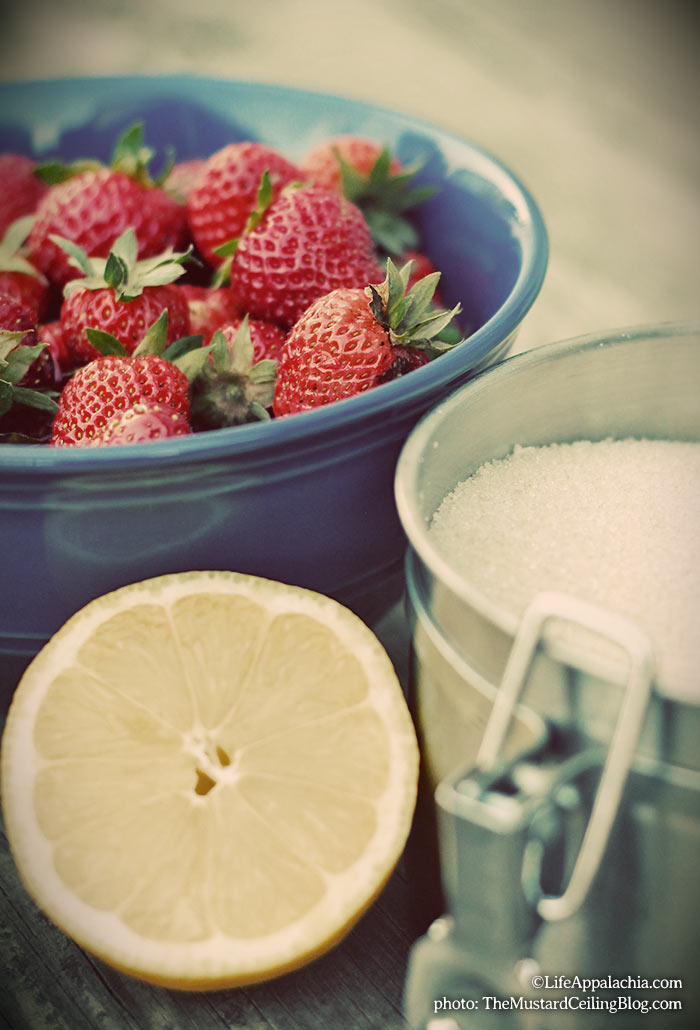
[[626, 635]]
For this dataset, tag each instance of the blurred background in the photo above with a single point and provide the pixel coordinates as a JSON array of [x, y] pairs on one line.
[[593, 105]]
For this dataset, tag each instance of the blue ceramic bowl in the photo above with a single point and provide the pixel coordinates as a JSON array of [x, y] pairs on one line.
[[307, 499]]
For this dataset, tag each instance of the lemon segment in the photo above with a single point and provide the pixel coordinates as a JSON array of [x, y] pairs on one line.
[[208, 777]]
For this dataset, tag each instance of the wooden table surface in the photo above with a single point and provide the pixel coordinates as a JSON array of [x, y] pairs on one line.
[[594, 106]]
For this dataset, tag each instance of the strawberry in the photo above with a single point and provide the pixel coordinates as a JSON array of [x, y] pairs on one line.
[[353, 339], [300, 247], [234, 385], [53, 335], [367, 174], [225, 193], [21, 322], [210, 308], [18, 277], [112, 384], [142, 423], [94, 206], [27, 375], [182, 177], [323, 164], [122, 296], [17, 318], [22, 189], [116, 381]]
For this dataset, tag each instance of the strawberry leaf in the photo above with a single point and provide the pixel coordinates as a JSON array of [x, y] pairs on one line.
[[15, 361], [227, 249], [168, 165], [411, 318], [125, 248], [262, 202], [35, 399], [182, 346], [9, 341], [222, 275], [116, 273], [421, 295], [263, 373], [16, 233], [383, 197], [154, 340], [132, 156], [193, 361], [105, 343], [54, 172], [434, 323], [78, 257], [16, 357], [7, 393], [122, 271], [392, 233]]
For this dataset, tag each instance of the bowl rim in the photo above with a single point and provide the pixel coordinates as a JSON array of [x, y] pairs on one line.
[[351, 413], [415, 445]]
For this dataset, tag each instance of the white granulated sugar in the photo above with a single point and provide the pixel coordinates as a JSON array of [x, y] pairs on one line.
[[615, 522]]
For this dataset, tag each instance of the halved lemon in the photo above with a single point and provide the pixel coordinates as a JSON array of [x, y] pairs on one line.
[[207, 777]]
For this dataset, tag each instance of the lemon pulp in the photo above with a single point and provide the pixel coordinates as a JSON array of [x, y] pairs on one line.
[[207, 777]]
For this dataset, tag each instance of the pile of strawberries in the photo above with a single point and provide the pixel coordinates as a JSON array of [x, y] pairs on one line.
[[234, 288]]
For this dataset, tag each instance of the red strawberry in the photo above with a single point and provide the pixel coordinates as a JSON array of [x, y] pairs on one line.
[[53, 335], [182, 177], [306, 243], [322, 166], [21, 188], [28, 290], [95, 206], [16, 318], [123, 297], [142, 423], [351, 339], [127, 320], [335, 350], [18, 277], [112, 384], [225, 193], [27, 375], [210, 308]]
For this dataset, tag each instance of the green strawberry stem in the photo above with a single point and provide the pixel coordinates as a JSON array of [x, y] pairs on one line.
[[384, 198], [11, 257], [15, 360], [410, 318], [122, 270], [230, 389], [130, 156]]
